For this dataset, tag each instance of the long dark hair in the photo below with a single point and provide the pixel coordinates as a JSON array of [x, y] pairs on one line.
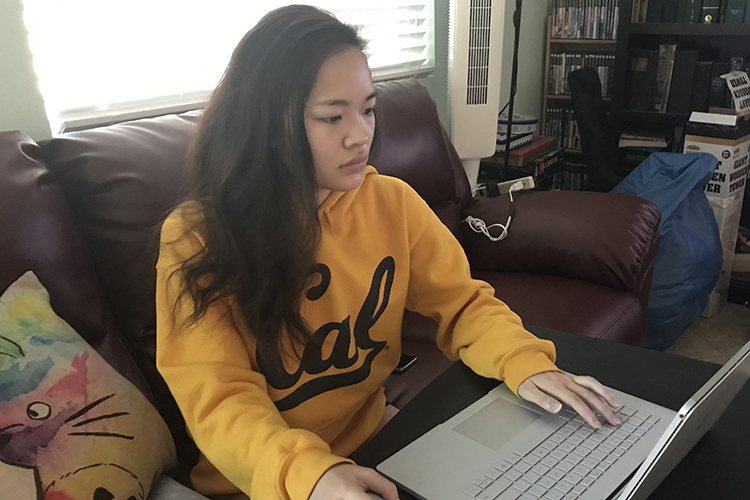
[[254, 177]]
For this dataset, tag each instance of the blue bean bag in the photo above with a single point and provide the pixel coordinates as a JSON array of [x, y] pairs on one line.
[[689, 260]]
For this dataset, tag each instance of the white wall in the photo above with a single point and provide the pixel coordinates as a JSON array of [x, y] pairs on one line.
[[531, 49], [21, 104]]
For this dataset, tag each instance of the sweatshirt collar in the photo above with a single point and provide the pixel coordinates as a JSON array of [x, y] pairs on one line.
[[333, 212]]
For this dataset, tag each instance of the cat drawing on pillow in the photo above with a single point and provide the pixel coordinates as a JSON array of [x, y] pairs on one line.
[[84, 431]]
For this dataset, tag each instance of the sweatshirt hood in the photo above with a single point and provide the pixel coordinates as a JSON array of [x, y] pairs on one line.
[[333, 212]]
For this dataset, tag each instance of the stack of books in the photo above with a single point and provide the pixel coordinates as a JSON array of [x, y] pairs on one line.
[[540, 159], [644, 140], [538, 147], [637, 146], [522, 131]]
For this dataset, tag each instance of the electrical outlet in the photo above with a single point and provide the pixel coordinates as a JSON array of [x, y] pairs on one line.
[[522, 184]]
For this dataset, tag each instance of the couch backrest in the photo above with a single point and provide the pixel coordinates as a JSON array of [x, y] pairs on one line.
[[120, 182], [39, 232], [414, 147]]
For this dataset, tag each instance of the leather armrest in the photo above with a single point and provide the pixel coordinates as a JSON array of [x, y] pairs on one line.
[[605, 238]]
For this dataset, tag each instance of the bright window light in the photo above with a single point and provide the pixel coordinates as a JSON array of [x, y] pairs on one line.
[[100, 61]]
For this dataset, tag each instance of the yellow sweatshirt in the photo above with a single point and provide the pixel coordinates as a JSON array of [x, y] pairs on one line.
[[272, 433]]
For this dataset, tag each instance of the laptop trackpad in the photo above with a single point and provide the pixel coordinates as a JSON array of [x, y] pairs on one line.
[[498, 422]]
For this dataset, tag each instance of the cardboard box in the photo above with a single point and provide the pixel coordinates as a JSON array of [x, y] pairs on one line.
[[727, 214], [726, 137], [741, 263], [716, 301]]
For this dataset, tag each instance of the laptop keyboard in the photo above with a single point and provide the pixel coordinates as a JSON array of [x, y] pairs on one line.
[[567, 463]]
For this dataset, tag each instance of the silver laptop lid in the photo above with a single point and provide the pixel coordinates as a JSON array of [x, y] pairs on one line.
[[693, 420]]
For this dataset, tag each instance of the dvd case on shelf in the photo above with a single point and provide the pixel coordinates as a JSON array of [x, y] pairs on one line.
[[585, 19]]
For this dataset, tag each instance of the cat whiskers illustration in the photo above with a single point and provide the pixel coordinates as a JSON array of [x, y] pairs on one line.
[[59, 413], [83, 411]]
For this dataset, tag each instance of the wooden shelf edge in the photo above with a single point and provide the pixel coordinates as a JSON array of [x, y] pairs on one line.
[[566, 97], [689, 29], [584, 41], [653, 116]]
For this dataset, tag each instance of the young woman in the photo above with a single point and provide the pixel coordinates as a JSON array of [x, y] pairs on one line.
[[283, 280]]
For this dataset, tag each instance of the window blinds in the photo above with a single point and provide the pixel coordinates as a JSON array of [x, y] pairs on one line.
[[103, 61]]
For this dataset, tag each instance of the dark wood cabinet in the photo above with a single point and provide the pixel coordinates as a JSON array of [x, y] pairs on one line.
[[714, 42]]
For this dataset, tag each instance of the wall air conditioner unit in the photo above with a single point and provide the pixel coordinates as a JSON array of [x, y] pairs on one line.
[[475, 46]]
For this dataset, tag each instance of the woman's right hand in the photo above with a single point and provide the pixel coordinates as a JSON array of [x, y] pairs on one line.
[[352, 482]]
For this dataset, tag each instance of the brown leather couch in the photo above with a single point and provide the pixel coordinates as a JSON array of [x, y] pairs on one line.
[[83, 212]]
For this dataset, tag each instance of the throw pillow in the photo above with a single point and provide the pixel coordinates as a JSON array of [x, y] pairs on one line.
[[82, 429]]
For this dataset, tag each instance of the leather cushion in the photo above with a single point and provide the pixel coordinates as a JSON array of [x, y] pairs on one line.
[[571, 305], [38, 232], [605, 238], [121, 182], [410, 148], [415, 148]]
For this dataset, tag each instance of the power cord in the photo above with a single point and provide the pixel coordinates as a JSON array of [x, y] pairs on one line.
[[479, 226]]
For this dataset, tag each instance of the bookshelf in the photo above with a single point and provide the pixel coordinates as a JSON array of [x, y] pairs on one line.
[[567, 45], [714, 42], [635, 116], [593, 52], [567, 97], [581, 41], [688, 29], [578, 34]]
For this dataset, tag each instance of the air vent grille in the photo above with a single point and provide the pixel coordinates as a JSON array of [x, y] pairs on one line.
[[479, 51]]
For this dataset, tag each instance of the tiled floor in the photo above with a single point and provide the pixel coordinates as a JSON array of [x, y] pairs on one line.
[[716, 338]]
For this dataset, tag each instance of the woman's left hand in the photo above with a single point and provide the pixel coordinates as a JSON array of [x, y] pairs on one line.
[[584, 394]]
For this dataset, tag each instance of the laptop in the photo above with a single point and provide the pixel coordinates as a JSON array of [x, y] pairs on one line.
[[504, 448]]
